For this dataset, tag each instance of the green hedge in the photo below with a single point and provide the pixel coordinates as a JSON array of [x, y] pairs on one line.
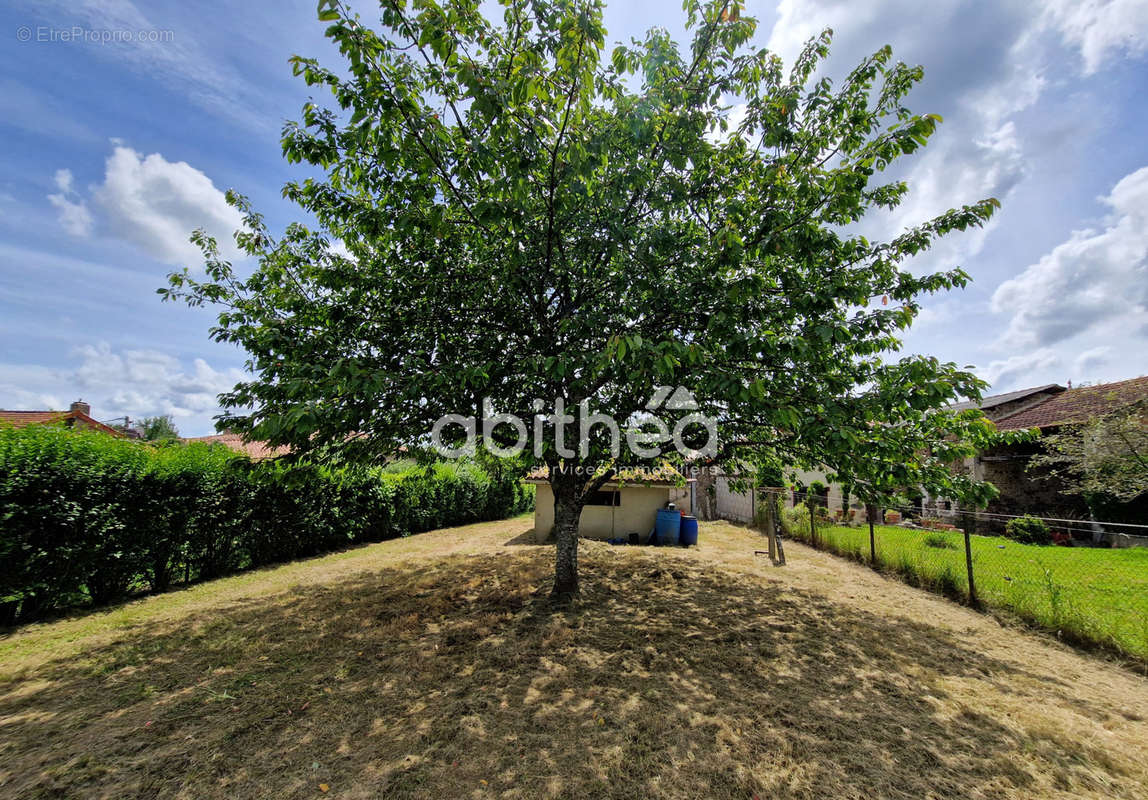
[[86, 518]]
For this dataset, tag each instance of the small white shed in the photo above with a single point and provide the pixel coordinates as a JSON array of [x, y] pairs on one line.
[[620, 507]]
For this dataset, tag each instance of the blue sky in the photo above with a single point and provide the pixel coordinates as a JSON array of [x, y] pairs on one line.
[[116, 150]]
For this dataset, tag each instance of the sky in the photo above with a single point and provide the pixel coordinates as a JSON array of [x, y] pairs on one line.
[[123, 123]]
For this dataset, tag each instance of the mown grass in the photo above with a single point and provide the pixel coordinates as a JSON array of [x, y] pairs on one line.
[[1095, 596], [437, 667]]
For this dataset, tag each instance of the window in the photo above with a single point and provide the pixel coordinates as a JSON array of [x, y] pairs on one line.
[[601, 498]]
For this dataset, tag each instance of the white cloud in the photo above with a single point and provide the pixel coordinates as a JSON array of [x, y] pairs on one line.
[[1099, 28], [1095, 279], [149, 382], [16, 398], [74, 215], [954, 171], [157, 203], [153, 203], [735, 116], [1005, 374], [339, 248], [64, 181], [936, 313], [117, 383], [994, 71], [985, 64], [981, 68], [1091, 359]]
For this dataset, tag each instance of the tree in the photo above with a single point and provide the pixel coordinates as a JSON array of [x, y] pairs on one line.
[[156, 429], [1104, 458], [525, 215]]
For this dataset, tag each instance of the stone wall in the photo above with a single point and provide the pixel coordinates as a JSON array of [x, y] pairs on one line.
[[1022, 492]]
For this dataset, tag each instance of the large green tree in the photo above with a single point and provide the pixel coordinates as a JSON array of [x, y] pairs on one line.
[[159, 428], [527, 213]]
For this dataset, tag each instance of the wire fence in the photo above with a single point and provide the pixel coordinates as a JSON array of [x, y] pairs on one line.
[[1094, 595]]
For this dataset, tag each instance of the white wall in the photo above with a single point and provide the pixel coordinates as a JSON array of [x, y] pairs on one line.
[[735, 506], [635, 513], [741, 506]]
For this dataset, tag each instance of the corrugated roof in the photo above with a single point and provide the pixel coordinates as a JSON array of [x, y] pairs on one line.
[[1000, 399], [1078, 405], [256, 451]]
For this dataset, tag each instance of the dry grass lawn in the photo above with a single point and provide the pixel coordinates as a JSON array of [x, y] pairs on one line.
[[436, 667]]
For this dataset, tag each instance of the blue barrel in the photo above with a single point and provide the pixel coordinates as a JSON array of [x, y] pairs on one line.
[[689, 533], [667, 526]]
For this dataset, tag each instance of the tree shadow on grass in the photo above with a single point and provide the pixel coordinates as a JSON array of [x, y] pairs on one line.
[[458, 677], [527, 537]]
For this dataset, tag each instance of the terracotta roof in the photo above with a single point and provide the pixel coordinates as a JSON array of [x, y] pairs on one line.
[[256, 451], [1078, 405], [22, 418], [1000, 399], [664, 475]]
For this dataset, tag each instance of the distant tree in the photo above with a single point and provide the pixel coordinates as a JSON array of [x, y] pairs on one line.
[[526, 215], [1106, 457], [155, 429]]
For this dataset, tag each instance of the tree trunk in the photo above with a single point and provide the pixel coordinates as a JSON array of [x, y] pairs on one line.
[[567, 512]]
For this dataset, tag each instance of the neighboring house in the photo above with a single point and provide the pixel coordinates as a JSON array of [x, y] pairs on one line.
[[998, 406], [1046, 407], [78, 417], [1047, 410], [621, 507], [256, 451]]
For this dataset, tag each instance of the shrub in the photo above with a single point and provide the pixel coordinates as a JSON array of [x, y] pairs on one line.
[[795, 523], [1028, 530], [87, 518]]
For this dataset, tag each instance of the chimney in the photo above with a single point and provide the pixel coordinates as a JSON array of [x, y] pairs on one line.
[[82, 407]]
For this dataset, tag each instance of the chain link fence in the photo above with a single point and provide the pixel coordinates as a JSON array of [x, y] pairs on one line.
[[1085, 594]]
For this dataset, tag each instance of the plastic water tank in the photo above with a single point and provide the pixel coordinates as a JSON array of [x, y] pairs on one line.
[[667, 526], [689, 532]]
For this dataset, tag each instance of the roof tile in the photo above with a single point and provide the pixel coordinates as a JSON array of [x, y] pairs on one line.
[[1078, 405], [256, 451]]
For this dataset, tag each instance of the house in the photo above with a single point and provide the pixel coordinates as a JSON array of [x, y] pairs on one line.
[[1047, 410], [78, 416], [256, 451], [994, 407], [625, 505], [998, 406], [1046, 407]]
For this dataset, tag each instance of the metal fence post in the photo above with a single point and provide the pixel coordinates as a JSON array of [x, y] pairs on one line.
[[812, 527], [969, 566]]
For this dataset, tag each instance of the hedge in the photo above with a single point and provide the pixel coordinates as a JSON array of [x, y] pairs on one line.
[[86, 518]]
